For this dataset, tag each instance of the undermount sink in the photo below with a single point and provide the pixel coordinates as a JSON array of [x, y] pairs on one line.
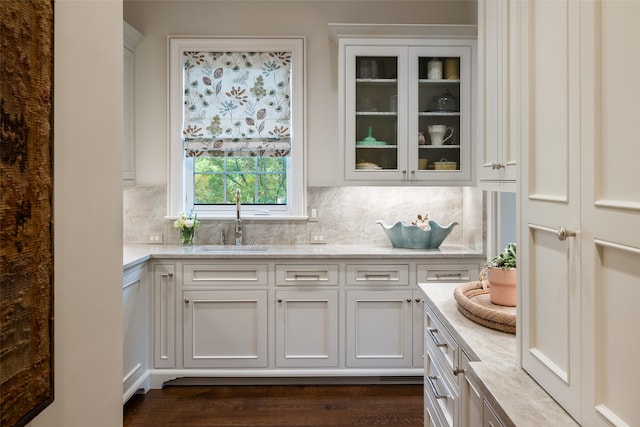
[[232, 248]]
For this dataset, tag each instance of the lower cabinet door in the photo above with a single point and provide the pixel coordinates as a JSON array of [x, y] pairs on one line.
[[225, 329], [307, 328], [135, 302], [439, 396], [491, 419], [379, 329], [470, 397]]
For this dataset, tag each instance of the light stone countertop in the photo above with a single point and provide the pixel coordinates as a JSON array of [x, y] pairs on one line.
[[136, 253], [519, 396]]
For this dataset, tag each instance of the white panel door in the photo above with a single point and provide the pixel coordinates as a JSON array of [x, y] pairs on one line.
[[135, 300], [611, 212], [379, 328], [549, 278], [307, 328], [164, 316], [225, 329]]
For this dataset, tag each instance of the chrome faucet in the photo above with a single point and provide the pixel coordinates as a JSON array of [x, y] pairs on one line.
[[238, 229]]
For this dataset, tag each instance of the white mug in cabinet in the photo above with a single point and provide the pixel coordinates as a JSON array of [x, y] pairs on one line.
[[440, 134], [434, 69]]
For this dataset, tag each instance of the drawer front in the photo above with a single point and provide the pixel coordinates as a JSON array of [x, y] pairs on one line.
[[207, 275], [445, 348], [447, 273], [441, 397], [385, 274], [307, 274]]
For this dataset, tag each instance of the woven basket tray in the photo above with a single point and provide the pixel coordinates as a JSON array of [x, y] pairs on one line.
[[473, 303]]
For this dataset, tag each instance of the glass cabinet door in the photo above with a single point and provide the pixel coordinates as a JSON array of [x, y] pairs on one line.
[[407, 112], [440, 147], [377, 107]]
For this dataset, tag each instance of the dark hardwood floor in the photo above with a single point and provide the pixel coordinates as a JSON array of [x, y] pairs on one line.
[[277, 405]]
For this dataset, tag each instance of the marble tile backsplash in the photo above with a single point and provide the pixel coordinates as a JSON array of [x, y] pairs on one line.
[[345, 215]]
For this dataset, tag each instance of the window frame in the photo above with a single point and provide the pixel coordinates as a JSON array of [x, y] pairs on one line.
[[180, 177]]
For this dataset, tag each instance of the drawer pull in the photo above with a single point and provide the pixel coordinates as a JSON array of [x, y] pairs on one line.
[[448, 275], [432, 332], [306, 276], [436, 394], [459, 371], [166, 275], [377, 276]]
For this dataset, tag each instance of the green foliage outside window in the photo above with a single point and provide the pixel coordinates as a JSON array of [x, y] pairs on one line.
[[261, 180]]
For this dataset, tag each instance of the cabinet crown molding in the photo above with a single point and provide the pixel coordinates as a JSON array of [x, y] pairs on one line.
[[341, 30]]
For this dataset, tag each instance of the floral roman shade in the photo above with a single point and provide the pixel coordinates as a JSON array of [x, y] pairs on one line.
[[237, 104]]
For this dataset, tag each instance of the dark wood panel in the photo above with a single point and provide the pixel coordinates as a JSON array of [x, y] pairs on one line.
[[290, 405]]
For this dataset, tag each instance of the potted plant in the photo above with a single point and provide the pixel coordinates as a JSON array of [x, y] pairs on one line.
[[500, 272]]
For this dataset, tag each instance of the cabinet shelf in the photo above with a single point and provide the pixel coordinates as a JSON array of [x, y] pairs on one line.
[[380, 81], [377, 147], [439, 114], [439, 82], [377, 113], [438, 147]]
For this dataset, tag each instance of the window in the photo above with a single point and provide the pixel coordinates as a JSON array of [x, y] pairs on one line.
[[236, 122]]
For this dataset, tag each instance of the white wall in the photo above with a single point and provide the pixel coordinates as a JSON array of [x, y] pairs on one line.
[[88, 216], [159, 19]]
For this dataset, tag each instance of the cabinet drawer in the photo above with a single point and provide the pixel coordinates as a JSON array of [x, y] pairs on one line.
[[307, 274], [389, 274], [199, 275], [447, 273], [441, 398], [440, 342]]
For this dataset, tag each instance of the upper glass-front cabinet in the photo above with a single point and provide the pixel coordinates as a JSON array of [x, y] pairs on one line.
[[407, 110]]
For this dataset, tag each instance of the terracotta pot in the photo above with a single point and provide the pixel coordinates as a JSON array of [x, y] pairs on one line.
[[502, 286]]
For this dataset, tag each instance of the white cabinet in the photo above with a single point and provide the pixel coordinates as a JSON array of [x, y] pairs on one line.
[[277, 317], [224, 310], [306, 328], [578, 289], [306, 315], [454, 396], [384, 319], [471, 402], [498, 94], [489, 416], [441, 386], [379, 328], [131, 39], [398, 124], [164, 315], [225, 329], [135, 311]]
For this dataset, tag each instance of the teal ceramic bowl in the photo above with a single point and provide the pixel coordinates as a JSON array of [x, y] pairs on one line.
[[406, 236]]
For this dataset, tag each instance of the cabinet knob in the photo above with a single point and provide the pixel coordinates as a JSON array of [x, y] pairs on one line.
[[459, 371], [413, 171], [404, 171], [408, 299], [496, 165], [418, 300], [186, 301], [562, 233], [166, 275], [279, 299]]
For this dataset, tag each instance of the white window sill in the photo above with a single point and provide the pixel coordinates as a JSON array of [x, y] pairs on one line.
[[246, 217]]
